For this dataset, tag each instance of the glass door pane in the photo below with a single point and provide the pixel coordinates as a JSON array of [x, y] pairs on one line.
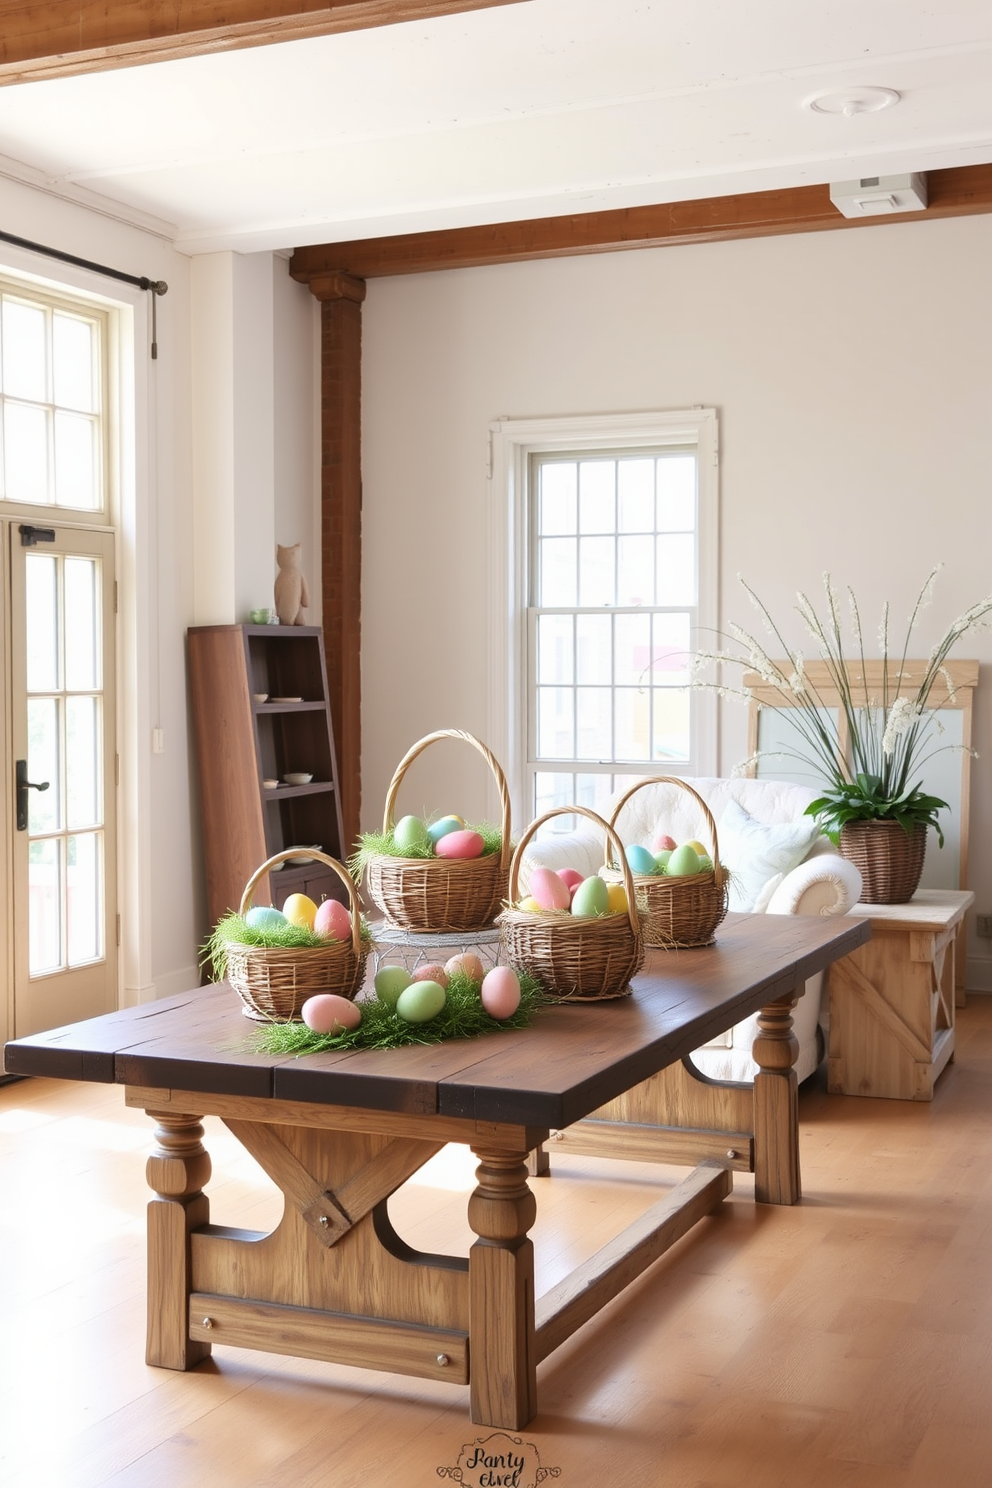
[[64, 902]]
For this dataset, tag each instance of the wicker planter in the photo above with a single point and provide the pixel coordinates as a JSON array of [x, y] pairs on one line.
[[681, 912], [274, 982], [437, 895], [575, 958], [889, 860]]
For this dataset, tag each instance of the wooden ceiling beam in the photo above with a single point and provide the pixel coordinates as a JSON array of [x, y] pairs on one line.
[[952, 193], [42, 39]]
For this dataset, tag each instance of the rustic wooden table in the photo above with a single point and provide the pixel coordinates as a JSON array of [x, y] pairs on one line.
[[341, 1132]]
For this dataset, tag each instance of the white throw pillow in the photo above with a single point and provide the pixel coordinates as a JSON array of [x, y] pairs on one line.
[[756, 852]]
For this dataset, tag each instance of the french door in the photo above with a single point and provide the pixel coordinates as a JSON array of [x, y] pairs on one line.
[[62, 772]]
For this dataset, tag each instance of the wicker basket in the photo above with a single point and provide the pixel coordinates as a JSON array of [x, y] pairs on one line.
[[435, 895], [274, 982], [889, 859], [682, 911], [578, 959]]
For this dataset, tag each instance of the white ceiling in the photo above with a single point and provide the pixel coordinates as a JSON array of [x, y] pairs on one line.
[[525, 110]]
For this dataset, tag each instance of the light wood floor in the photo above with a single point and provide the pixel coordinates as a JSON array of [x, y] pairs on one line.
[[844, 1343]]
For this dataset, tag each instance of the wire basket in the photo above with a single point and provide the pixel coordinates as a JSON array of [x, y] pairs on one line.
[[274, 982], [575, 958], [438, 895], [683, 911]]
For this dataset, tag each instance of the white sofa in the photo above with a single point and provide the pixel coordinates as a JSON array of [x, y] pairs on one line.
[[761, 827]]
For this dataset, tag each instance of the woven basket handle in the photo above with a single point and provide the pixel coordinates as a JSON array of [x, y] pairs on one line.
[[504, 793], [628, 877], [310, 852], [718, 872]]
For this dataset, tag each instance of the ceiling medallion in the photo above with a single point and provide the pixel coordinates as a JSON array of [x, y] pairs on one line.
[[851, 101]]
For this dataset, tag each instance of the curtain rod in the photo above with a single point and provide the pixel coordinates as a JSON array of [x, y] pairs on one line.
[[156, 287]]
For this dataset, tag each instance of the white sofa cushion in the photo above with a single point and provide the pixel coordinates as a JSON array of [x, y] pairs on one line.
[[756, 852]]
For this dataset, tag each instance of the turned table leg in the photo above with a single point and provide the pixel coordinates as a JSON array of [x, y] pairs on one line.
[[176, 1171], [776, 1106], [502, 1353]]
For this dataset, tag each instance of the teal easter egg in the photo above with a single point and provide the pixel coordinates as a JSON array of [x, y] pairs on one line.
[[390, 982], [264, 917], [411, 835], [639, 859], [421, 1001], [684, 860], [441, 828], [592, 897]]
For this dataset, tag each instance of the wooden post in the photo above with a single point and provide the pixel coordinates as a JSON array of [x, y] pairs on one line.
[[502, 1351], [776, 1106], [341, 297], [177, 1171]]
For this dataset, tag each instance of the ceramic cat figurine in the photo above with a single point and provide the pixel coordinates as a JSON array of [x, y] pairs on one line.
[[291, 593]]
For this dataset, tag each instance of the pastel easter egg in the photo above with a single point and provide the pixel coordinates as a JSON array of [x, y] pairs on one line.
[[265, 917], [639, 859], [661, 858], [333, 919], [529, 905], [437, 830], [468, 963], [616, 896], [591, 897], [433, 971], [705, 863], [571, 876], [698, 847], [661, 842], [683, 861], [389, 983], [461, 844], [500, 992], [421, 1001], [327, 1013], [548, 888], [410, 835], [299, 909]]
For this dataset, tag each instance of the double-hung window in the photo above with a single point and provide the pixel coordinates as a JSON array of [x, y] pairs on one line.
[[608, 543]]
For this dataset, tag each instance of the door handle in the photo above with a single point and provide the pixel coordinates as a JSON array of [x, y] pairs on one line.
[[23, 786]]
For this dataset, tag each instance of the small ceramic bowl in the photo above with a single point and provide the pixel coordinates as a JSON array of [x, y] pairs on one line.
[[260, 697], [297, 777], [270, 784]]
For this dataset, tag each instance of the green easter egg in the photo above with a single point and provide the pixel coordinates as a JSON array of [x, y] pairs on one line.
[[421, 1001], [684, 860], [410, 835], [389, 983]]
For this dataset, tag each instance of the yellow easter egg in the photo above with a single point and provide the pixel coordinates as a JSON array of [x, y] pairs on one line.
[[529, 906], [300, 910], [616, 899], [697, 846]]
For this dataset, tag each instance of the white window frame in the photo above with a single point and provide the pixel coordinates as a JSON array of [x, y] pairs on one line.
[[512, 443]]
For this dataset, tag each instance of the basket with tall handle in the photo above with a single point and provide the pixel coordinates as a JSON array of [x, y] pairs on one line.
[[435, 895], [576, 958], [685, 910], [274, 982]]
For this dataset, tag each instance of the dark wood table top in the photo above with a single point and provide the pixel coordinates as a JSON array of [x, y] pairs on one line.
[[572, 1059]]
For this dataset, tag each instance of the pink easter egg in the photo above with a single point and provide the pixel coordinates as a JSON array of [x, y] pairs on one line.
[[548, 888], [432, 972], [465, 844], [333, 919], [327, 1013], [571, 876], [661, 842], [500, 992], [467, 962]]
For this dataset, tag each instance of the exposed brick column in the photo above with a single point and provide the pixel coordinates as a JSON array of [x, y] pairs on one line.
[[341, 297]]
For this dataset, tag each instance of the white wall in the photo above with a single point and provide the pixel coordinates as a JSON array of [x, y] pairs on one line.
[[852, 371]]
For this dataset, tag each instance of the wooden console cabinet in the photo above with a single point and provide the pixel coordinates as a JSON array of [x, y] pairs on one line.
[[892, 1001], [241, 743]]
